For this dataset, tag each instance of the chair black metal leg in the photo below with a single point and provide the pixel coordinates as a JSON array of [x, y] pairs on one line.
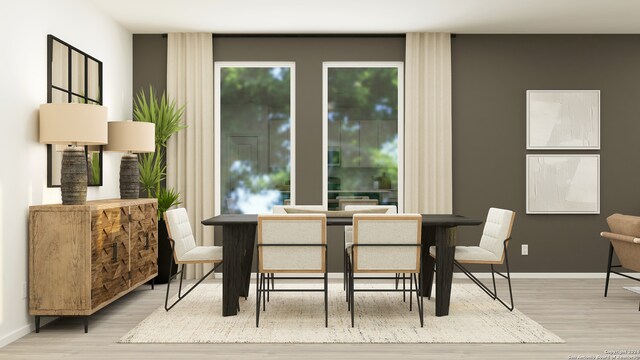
[[606, 284], [326, 299], [493, 277], [352, 296], [166, 298], [264, 293], [411, 292], [181, 277], [257, 298], [180, 295], [397, 280], [506, 260], [404, 296], [420, 299], [488, 291], [268, 286], [348, 277]]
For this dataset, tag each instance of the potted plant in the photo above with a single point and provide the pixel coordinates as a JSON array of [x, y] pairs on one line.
[[167, 117]]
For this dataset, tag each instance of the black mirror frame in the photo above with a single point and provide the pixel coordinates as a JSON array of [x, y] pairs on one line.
[[70, 94]]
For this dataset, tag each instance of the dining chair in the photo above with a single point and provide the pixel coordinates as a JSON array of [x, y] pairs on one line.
[[291, 243], [348, 238], [185, 251], [386, 243], [342, 203], [492, 250]]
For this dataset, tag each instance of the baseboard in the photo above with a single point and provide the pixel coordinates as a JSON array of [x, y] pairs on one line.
[[16, 334], [25, 330], [487, 275]]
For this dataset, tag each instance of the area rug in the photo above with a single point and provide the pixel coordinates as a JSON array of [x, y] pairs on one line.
[[299, 318], [635, 289]]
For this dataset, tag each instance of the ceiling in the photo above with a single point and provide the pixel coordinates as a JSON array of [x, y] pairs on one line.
[[376, 16]]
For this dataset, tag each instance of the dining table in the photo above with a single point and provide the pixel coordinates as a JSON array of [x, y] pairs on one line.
[[239, 237]]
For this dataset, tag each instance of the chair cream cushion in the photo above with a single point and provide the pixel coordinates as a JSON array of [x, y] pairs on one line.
[[203, 254], [386, 229], [292, 229], [471, 254], [497, 229], [180, 232]]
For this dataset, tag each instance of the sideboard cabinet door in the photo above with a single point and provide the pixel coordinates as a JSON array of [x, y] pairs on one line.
[[109, 254], [144, 242]]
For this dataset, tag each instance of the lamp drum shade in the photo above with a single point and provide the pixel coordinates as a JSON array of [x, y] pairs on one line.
[[68, 123], [132, 136]]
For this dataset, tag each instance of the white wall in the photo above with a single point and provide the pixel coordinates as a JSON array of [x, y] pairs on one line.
[[24, 26]]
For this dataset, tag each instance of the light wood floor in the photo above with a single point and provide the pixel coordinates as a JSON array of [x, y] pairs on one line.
[[573, 309]]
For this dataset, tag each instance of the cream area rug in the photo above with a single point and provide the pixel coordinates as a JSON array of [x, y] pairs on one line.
[[635, 289], [299, 318]]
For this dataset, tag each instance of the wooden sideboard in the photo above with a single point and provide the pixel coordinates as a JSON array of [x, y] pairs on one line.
[[83, 257]]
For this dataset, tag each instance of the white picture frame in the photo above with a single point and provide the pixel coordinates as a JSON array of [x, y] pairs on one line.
[[563, 184], [563, 119]]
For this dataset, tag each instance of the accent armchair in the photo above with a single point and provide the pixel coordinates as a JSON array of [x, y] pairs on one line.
[[624, 240]]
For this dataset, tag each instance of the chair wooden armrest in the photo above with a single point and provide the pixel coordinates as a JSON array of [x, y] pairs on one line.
[[620, 237]]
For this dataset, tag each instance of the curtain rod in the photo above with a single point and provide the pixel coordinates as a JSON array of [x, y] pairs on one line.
[[453, 36], [215, 35]]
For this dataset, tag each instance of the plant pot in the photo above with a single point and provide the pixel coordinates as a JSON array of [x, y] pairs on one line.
[[164, 254]]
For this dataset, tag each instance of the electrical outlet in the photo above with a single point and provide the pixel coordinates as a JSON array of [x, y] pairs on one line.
[[24, 290], [525, 249]]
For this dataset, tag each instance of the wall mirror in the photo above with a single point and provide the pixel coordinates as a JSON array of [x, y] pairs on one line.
[[73, 76]]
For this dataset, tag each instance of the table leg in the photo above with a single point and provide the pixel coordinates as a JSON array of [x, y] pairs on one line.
[[428, 239], [445, 253], [235, 282]]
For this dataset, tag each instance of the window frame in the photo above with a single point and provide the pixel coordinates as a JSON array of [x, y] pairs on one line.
[[218, 66], [399, 65]]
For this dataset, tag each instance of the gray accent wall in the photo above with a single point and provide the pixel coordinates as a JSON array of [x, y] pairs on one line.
[[491, 74], [149, 63]]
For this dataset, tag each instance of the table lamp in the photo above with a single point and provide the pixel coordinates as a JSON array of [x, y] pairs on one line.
[[132, 137], [73, 124]]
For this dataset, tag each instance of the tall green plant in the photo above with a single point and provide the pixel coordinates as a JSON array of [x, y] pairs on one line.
[[167, 117]]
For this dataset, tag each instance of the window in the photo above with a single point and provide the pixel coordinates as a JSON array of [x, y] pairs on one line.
[[362, 133], [254, 127]]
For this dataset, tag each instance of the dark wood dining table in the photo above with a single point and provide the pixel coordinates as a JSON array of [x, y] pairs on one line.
[[239, 236]]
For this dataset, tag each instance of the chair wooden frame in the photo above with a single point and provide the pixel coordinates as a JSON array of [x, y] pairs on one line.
[[181, 296], [505, 259], [182, 264], [416, 273], [263, 276]]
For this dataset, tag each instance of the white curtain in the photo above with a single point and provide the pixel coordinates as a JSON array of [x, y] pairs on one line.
[[190, 151], [428, 158]]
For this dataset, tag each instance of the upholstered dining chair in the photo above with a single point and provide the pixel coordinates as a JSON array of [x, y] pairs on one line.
[[348, 237], [624, 240], [291, 243], [385, 243], [185, 251], [343, 203], [492, 251]]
